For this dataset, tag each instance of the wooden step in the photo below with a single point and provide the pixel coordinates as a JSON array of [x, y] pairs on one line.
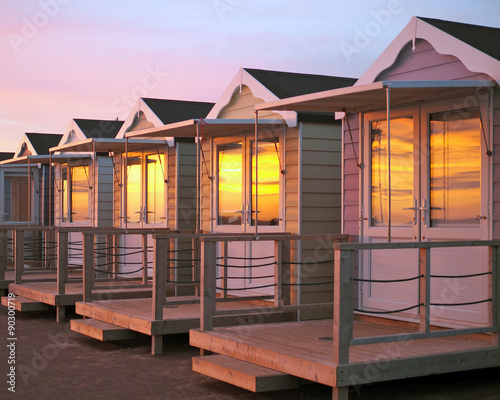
[[24, 304], [243, 374], [101, 330]]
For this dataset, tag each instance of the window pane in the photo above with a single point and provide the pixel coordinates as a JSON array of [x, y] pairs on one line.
[[80, 194], [401, 172], [16, 199], [134, 182], [230, 184], [268, 181], [155, 202], [455, 168]]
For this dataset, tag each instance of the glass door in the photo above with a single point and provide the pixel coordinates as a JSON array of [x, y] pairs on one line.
[[236, 207], [439, 171]]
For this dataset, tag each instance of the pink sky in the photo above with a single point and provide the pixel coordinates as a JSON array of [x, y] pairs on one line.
[[64, 59]]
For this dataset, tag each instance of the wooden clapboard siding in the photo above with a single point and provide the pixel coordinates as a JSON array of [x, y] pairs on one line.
[[171, 199], [242, 105], [496, 165], [321, 155], [186, 186], [103, 193], [425, 63], [292, 168]]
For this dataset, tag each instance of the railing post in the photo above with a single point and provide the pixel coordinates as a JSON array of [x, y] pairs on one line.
[[161, 253], [286, 271], [116, 254], [19, 255], [62, 261], [53, 247], [144, 258], [88, 266], [278, 272], [223, 283], [195, 244], [208, 268], [342, 305], [109, 254], [161, 248], [424, 256], [3, 253]]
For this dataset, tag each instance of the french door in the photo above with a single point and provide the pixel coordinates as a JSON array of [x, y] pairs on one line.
[[251, 263], [439, 191]]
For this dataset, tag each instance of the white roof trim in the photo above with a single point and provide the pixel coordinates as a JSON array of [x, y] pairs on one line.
[[79, 135], [474, 59], [139, 105], [28, 145], [258, 90]]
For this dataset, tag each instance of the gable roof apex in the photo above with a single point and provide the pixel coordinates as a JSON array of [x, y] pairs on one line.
[[473, 45]]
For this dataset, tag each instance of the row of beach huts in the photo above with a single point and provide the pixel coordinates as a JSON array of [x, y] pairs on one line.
[[302, 227]]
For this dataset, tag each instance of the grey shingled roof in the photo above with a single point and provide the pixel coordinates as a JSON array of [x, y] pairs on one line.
[[6, 156], [289, 84], [94, 128], [483, 38], [170, 111], [42, 142]]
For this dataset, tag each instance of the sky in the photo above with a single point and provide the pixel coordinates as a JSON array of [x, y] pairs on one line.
[[65, 59]]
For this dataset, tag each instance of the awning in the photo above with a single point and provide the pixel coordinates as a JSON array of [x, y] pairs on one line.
[[372, 96], [43, 159], [206, 127], [106, 145]]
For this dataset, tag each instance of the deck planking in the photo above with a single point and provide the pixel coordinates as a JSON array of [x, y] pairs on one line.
[[295, 348], [136, 314], [46, 291]]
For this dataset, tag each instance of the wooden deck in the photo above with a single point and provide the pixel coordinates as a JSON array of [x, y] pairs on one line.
[[179, 315], [46, 292], [305, 350]]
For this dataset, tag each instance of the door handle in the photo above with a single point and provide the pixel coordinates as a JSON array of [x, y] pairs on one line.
[[425, 208], [414, 208]]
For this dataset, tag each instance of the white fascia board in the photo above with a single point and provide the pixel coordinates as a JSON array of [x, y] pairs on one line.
[[474, 59], [258, 90]]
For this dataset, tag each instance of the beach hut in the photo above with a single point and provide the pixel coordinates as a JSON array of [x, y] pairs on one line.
[[420, 129], [25, 184], [298, 187]]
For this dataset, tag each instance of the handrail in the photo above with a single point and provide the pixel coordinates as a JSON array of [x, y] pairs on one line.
[[343, 294]]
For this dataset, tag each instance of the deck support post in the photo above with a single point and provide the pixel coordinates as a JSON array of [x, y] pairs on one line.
[[208, 295], [340, 393], [161, 253], [3, 253], [60, 313], [62, 261], [88, 266], [342, 313], [19, 255], [424, 288]]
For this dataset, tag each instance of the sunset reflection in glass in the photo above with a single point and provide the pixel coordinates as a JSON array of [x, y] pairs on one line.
[[401, 172], [455, 169]]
